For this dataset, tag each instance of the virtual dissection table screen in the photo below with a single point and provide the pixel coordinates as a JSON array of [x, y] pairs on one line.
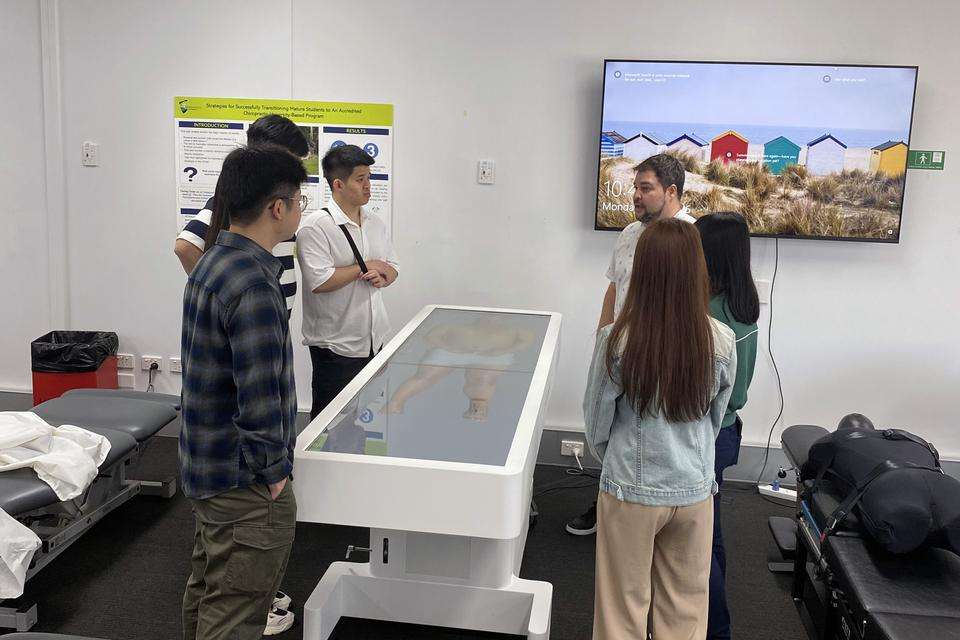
[[453, 391]]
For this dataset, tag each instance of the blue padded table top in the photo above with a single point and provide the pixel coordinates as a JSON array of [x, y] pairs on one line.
[[897, 626], [137, 418], [923, 583], [22, 491], [798, 439], [129, 394]]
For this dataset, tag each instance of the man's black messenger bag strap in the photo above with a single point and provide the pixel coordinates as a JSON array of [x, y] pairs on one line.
[[353, 246]]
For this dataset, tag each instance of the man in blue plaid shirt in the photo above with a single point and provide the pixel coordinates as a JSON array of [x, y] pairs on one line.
[[239, 401]]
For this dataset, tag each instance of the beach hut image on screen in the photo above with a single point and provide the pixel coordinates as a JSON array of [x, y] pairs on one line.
[[611, 144], [780, 152], [688, 143], [857, 158], [642, 146], [825, 155], [729, 147], [889, 158]]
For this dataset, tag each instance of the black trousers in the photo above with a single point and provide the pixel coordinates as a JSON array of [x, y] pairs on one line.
[[728, 454], [331, 373]]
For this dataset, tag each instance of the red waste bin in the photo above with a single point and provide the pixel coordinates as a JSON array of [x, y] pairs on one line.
[[64, 360]]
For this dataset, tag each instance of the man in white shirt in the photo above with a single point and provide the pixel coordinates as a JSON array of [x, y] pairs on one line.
[[344, 318], [657, 191]]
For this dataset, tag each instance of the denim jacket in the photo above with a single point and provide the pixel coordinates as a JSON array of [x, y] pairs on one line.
[[647, 459]]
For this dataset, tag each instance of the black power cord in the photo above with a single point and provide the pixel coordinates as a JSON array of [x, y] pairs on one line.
[[561, 485], [153, 369], [580, 471], [556, 487], [773, 282]]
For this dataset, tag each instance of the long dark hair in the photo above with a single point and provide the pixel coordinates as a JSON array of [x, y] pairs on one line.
[[271, 129], [219, 218], [726, 247], [249, 178], [663, 335]]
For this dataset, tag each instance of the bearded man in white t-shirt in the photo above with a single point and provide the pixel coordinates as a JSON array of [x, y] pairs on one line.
[[657, 190]]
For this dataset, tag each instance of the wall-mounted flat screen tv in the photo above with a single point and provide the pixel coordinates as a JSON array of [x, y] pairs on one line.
[[801, 150]]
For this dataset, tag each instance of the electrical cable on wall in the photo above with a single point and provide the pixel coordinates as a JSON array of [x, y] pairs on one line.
[[773, 361], [153, 369]]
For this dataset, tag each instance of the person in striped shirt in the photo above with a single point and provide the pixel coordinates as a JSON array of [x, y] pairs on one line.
[[197, 235]]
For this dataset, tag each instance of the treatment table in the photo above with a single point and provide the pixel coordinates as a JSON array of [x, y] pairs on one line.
[[862, 592], [128, 419]]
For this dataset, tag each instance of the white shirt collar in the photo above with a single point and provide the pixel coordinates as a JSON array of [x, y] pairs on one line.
[[684, 214], [340, 217]]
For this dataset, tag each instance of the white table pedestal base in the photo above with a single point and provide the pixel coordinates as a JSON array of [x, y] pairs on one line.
[[471, 584]]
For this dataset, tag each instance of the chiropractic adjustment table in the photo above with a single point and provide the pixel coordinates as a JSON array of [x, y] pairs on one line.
[[863, 593], [433, 447], [128, 419]]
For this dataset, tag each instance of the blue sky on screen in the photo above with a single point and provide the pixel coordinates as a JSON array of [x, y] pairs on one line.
[[760, 95]]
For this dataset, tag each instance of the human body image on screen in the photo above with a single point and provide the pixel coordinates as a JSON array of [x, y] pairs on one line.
[[483, 349]]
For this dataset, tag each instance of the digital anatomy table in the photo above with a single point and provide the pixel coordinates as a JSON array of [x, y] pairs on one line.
[[433, 447]]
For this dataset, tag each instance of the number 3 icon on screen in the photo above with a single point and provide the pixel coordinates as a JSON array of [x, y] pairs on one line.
[[371, 149]]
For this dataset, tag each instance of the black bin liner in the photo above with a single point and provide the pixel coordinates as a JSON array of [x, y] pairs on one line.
[[72, 351]]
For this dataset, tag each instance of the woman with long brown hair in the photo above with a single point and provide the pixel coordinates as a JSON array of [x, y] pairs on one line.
[[657, 393]]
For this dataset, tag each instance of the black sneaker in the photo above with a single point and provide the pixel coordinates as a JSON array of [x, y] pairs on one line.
[[585, 524]]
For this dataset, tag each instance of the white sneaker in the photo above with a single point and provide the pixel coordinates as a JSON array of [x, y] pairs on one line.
[[281, 601], [278, 621]]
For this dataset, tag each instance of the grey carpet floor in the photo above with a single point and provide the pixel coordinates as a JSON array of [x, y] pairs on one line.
[[123, 579]]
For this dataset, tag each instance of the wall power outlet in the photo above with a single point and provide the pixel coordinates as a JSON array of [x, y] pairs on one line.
[[571, 448]]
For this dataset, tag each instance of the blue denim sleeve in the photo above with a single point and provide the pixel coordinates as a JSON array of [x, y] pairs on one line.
[[600, 399], [256, 330]]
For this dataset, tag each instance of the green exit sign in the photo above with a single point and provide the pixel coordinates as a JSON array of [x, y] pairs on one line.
[[925, 159]]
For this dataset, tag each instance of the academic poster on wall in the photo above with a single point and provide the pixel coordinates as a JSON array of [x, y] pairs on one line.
[[207, 129]]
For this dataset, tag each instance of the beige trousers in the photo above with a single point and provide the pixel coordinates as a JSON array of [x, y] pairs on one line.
[[653, 570]]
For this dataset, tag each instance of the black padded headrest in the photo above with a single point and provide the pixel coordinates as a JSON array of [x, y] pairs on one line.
[[855, 421]]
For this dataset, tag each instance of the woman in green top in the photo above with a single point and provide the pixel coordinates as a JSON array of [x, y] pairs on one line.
[[726, 247]]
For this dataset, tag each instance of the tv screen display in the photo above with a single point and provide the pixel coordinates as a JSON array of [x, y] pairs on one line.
[[801, 150]]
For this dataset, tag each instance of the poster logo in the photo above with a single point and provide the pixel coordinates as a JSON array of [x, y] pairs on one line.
[[183, 106]]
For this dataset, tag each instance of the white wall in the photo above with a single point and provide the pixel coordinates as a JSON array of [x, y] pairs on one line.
[[24, 286], [858, 327], [123, 63]]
